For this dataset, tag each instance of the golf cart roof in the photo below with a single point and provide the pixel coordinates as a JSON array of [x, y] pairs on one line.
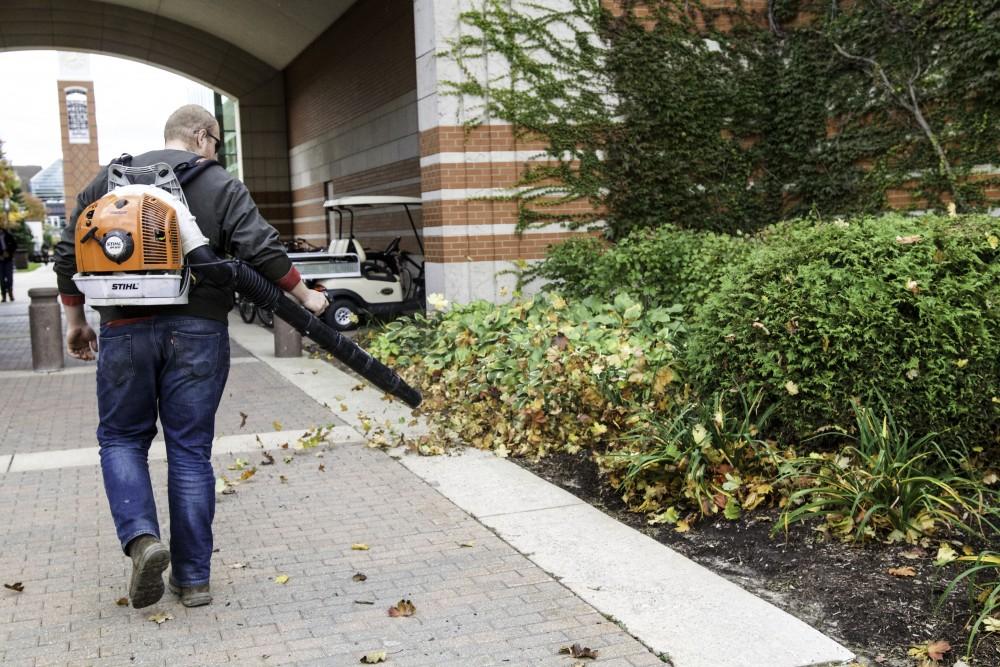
[[358, 202]]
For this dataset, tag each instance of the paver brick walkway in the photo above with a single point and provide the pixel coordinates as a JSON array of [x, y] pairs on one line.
[[484, 604]]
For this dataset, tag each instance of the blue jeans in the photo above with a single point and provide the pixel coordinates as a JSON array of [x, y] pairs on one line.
[[176, 366]]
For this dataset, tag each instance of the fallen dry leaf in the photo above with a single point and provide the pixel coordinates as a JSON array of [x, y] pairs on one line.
[[161, 618], [122, 602], [467, 544], [284, 480], [907, 240], [322, 467], [343, 407], [936, 650], [358, 387], [276, 424], [360, 577], [268, 460], [373, 658], [16, 586], [238, 566], [243, 419], [578, 651], [906, 571], [281, 579], [359, 547], [402, 608], [247, 474], [363, 602]]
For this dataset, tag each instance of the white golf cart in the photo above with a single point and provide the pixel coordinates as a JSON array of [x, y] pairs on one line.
[[362, 283]]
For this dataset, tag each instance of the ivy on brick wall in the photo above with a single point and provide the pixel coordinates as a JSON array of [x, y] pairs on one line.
[[730, 118]]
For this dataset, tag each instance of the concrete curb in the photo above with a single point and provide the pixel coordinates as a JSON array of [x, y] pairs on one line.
[[679, 609]]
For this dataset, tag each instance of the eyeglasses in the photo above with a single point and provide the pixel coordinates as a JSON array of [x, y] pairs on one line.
[[218, 141]]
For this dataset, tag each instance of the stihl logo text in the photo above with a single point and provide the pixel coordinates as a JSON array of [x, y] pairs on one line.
[[124, 286]]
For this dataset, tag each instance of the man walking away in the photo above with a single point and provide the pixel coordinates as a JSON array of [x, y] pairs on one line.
[[171, 361]]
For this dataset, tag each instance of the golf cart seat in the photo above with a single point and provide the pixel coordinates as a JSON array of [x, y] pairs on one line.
[[347, 247], [372, 270]]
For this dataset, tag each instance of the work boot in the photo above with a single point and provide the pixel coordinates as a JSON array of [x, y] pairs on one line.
[[191, 596], [149, 559]]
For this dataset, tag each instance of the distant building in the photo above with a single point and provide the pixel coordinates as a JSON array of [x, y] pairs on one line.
[[47, 185], [25, 174]]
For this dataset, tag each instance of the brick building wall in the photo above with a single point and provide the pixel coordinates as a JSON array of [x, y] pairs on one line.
[[352, 121], [80, 156]]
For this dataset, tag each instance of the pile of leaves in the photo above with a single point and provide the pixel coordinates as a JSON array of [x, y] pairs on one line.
[[541, 374]]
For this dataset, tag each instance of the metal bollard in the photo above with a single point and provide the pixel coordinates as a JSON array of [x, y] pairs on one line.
[[287, 341], [45, 321]]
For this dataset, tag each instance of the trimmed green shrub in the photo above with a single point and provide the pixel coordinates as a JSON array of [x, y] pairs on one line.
[[665, 266], [821, 315]]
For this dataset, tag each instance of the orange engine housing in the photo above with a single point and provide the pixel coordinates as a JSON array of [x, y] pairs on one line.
[[147, 222]]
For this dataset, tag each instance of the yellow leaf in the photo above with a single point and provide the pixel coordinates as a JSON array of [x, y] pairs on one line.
[[281, 579], [993, 241], [945, 554], [791, 388], [248, 473], [962, 363], [373, 658], [402, 608], [906, 571], [991, 624], [359, 547], [682, 526], [699, 433], [161, 618], [276, 424]]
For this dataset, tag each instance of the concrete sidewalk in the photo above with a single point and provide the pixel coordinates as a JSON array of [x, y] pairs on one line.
[[503, 568]]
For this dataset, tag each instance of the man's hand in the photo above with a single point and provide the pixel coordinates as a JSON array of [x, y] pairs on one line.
[[315, 302], [81, 342]]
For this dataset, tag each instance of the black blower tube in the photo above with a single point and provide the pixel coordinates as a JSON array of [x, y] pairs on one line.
[[266, 295]]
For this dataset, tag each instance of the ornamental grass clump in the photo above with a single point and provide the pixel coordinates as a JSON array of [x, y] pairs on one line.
[[889, 485], [821, 314], [981, 577], [539, 374], [697, 460]]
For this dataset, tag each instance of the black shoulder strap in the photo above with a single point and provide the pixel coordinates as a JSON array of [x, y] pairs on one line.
[[187, 172]]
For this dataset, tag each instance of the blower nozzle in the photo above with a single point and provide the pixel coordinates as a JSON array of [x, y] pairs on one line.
[[204, 262]]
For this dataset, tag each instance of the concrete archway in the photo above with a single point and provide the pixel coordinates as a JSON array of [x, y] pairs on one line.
[[109, 28]]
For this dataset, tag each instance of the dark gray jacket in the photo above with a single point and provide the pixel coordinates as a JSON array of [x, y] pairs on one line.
[[225, 213]]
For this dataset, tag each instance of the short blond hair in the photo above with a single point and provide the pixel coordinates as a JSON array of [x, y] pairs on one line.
[[186, 122]]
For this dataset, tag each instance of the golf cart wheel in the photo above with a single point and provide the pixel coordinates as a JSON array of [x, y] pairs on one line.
[[247, 309], [342, 315], [266, 317]]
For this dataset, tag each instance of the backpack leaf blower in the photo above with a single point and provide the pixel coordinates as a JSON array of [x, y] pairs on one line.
[[139, 244]]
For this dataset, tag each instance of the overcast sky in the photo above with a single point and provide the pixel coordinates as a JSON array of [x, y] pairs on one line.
[[133, 101]]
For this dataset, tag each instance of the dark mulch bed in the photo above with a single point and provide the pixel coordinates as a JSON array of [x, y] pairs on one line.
[[844, 591]]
